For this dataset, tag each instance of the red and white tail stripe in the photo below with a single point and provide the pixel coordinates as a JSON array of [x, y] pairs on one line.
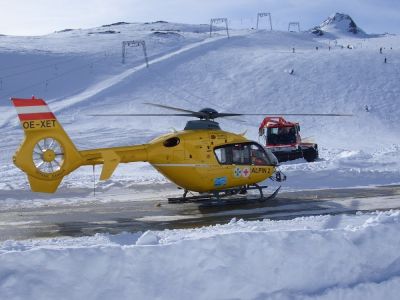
[[32, 109]]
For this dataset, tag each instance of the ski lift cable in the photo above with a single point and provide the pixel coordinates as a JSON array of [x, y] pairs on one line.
[[179, 97], [38, 83], [163, 79], [41, 82], [28, 64], [181, 89], [38, 68], [49, 64]]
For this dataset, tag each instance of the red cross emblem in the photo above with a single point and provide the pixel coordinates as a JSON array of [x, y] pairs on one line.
[[246, 172]]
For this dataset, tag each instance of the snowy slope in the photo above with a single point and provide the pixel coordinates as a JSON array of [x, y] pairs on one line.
[[79, 72], [246, 73]]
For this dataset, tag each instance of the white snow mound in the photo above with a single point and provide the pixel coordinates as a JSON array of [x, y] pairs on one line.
[[324, 257]]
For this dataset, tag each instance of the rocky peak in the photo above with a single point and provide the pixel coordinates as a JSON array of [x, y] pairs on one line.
[[338, 23]]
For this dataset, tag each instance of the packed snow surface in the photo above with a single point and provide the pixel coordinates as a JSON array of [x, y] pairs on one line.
[[323, 257]]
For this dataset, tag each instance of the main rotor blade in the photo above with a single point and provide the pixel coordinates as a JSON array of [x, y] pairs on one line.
[[289, 114], [195, 113], [237, 120], [222, 115], [286, 114], [140, 115]]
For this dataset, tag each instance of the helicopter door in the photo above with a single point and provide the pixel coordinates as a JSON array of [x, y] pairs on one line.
[[233, 158], [217, 138]]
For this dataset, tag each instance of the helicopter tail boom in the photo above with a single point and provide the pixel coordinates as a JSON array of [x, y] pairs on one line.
[[47, 154]]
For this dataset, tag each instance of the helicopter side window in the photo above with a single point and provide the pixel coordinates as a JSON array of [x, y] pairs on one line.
[[245, 154], [241, 154], [237, 154], [172, 142], [221, 154]]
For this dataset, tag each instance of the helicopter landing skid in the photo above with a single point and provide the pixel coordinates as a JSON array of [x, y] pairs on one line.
[[228, 196]]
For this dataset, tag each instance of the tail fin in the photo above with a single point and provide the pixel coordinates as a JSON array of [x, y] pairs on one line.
[[46, 154]]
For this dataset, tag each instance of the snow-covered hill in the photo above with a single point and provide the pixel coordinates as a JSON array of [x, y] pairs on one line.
[[79, 72]]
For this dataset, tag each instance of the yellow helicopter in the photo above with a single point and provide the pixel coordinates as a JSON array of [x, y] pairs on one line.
[[201, 158]]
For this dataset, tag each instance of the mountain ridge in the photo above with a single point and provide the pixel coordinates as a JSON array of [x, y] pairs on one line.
[[338, 24]]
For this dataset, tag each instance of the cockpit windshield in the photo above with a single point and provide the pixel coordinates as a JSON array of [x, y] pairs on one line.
[[244, 154], [281, 136]]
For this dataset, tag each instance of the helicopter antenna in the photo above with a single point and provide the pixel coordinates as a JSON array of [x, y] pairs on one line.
[[94, 182], [243, 133]]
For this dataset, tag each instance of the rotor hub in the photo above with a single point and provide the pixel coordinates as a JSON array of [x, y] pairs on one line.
[[48, 155], [211, 113]]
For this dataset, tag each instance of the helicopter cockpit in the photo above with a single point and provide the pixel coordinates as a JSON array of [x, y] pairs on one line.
[[248, 153]]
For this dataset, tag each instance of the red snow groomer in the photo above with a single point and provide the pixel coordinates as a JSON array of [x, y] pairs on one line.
[[283, 139]]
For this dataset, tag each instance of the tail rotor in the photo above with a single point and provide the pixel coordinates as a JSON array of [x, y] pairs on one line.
[[48, 155]]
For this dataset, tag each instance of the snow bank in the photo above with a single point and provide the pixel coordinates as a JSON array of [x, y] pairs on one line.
[[324, 257]]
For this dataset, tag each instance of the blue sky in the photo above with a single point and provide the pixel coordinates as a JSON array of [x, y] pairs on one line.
[[30, 17]]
